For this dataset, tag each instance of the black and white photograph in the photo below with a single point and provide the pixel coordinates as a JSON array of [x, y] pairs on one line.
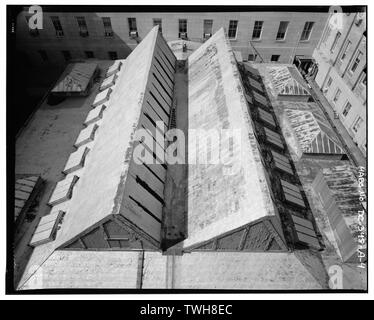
[[167, 149]]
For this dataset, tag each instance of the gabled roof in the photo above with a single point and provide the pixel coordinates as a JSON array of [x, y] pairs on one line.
[[292, 87], [285, 82], [314, 135], [98, 195], [219, 203]]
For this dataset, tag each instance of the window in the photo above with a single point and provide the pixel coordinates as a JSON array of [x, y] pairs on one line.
[[252, 57], [282, 30], [266, 117], [43, 55], [345, 50], [333, 46], [82, 23], [112, 55], [208, 26], [108, 31], [182, 26], [362, 80], [292, 193], [329, 82], [66, 54], [158, 22], [346, 109], [356, 61], [83, 31], [357, 124], [281, 162], [337, 95], [233, 27], [257, 30], [273, 138], [132, 25], [89, 54], [57, 24], [275, 57], [305, 35]]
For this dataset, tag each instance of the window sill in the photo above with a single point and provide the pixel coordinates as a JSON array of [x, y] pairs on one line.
[[256, 40]]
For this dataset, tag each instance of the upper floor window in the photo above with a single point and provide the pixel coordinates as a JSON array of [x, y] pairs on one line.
[[337, 95], [347, 107], [357, 124], [82, 26], [362, 80], [329, 82], [208, 27], [308, 27], [257, 30], [347, 46], [356, 61], [182, 28], [132, 25], [233, 28], [158, 22], [337, 37], [282, 30], [57, 24], [108, 31]]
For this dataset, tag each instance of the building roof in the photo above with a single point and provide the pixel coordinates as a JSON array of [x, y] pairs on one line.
[[219, 202], [75, 78], [313, 133], [104, 176], [286, 82], [343, 182]]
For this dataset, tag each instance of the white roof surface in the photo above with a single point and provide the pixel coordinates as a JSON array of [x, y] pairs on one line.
[[105, 173], [220, 202]]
